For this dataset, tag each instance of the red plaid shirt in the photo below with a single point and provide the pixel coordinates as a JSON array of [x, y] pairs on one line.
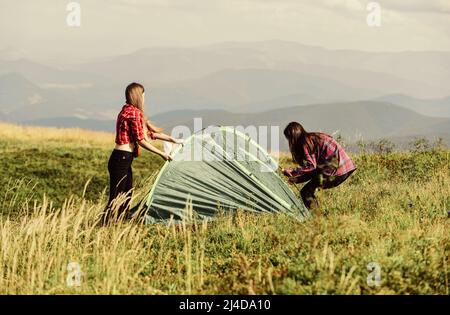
[[130, 128], [328, 158]]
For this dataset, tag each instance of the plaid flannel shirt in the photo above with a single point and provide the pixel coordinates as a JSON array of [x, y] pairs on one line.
[[328, 158], [130, 127]]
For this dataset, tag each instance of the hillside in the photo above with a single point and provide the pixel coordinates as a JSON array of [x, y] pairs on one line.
[[434, 107], [368, 120], [16, 92], [235, 89], [392, 212], [390, 72], [230, 76]]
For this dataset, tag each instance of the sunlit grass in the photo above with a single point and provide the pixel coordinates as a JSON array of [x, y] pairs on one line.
[[392, 211]]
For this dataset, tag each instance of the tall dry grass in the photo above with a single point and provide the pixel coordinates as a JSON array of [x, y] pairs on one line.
[[40, 248], [51, 135], [392, 212], [242, 253]]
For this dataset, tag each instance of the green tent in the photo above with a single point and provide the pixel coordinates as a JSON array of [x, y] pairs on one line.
[[219, 170]]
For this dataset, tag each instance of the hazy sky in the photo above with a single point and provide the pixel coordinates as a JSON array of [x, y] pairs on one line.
[[109, 27]]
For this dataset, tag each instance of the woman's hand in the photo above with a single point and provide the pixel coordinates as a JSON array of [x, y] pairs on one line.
[[164, 137], [177, 141], [167, 157], [291, 179], [287, 172]]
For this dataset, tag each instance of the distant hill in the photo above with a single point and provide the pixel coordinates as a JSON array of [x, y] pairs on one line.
[[238, 88], [230, 76], [369, 120], [433, 107], [232, 90], [22, 100], [420, 74], [43, 75], [353, 120], [16, 92]]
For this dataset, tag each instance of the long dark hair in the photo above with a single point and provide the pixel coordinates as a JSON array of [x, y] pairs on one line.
[[298, 139]]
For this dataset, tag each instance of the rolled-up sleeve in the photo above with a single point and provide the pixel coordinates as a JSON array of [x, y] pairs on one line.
[[136, 127], [151, 134], [302, 174]]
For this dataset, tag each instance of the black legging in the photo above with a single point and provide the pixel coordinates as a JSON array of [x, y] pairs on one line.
[[322, 181], [120, 179]]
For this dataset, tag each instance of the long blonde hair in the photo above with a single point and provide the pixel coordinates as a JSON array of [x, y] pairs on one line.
[[134, 96]]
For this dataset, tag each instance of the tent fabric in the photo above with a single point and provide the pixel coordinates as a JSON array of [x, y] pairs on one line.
[[222, 170]]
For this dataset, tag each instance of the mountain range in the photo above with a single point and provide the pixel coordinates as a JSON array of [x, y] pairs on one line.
[[374, 120], [258, 83]]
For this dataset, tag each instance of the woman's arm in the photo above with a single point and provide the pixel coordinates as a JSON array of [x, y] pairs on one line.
[[161, 136], [146, 145], [164, 137], [303, 173]]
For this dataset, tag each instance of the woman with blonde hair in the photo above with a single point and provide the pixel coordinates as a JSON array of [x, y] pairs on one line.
[[133, 130]]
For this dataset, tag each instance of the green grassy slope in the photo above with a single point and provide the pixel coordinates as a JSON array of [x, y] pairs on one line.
[[62, 169], [392, 211]]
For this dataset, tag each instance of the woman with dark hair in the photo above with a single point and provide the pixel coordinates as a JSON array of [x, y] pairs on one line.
[[323, 162], [133, 130]]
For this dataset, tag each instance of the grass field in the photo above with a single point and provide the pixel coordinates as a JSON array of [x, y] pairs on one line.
[[392, 212]]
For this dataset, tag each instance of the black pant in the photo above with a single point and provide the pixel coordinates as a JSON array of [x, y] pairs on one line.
[[121, 181], [322, 181]]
